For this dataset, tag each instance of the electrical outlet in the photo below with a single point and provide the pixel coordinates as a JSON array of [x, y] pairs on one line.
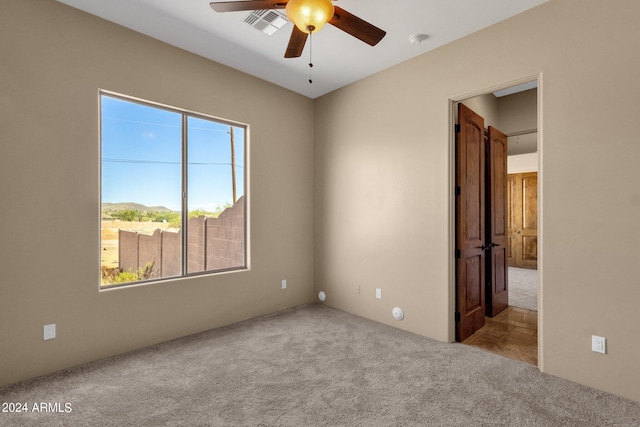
[[598, 344], [357, 289], [378, 293], [284, 284], [49, 331]]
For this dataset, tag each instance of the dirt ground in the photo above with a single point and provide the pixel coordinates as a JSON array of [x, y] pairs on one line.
[[109, 245]]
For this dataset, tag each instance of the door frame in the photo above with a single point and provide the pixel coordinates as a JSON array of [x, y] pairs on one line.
[[452, 212]]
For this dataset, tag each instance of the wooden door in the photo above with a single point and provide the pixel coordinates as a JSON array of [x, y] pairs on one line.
[[470, 223], [497, 285], [522, 190]]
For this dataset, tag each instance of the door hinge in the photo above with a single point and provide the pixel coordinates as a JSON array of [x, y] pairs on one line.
[[457, 253], [457, 316], [456, 128]]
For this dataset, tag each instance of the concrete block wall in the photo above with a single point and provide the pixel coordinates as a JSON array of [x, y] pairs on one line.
[[225, 238], [213, 244]]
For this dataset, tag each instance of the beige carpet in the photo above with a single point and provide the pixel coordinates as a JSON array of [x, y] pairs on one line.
[[313, 366], [523, 288]]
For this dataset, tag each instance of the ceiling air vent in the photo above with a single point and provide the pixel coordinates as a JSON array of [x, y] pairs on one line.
[[267, 21]]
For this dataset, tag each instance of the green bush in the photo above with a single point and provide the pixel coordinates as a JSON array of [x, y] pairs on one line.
[[130, 276], [170, 217], [126, 215], [201, 212], [126, 277]]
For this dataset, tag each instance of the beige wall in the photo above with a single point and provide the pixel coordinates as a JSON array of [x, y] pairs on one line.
[[53, 61], [384, 171], [382, 186], [486, 106], [517, 112], [522, 163]]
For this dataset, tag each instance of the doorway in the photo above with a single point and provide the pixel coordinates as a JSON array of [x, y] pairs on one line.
[[522, 321]]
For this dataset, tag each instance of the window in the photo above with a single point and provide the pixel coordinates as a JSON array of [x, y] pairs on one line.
[[172, 192]]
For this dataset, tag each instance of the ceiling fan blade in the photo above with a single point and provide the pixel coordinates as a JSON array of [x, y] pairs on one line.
[[296, 43], [357, 27], [234, 6]]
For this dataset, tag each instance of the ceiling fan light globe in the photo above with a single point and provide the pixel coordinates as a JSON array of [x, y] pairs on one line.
[[309, 15]]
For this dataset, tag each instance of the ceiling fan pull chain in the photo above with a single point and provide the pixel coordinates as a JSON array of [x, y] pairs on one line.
[[310, 53]]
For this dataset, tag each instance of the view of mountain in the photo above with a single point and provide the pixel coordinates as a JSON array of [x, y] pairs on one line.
[[133, 206]]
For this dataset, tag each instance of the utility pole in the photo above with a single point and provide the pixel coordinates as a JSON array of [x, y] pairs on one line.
[[233, 164]]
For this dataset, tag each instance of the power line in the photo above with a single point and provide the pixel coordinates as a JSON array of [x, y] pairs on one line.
[[162, 162], [165, 124], [159, 162]]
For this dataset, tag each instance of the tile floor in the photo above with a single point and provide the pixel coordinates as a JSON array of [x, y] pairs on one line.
[[512, 333]]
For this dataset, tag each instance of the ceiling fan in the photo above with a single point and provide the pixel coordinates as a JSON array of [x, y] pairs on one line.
[[308, 16]]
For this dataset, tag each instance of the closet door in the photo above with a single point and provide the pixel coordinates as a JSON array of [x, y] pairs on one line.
[[523, 220], [497, 287], [470, 223]]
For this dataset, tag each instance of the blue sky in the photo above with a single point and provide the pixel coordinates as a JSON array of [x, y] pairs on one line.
[[142, 156]]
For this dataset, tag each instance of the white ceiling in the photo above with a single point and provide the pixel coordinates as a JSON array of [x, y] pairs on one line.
[[338, 58]]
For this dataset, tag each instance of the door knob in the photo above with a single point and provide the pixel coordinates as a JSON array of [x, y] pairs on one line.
[[489, 246]]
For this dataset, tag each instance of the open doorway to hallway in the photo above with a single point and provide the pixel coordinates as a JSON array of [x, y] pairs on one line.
[[513, 332]]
